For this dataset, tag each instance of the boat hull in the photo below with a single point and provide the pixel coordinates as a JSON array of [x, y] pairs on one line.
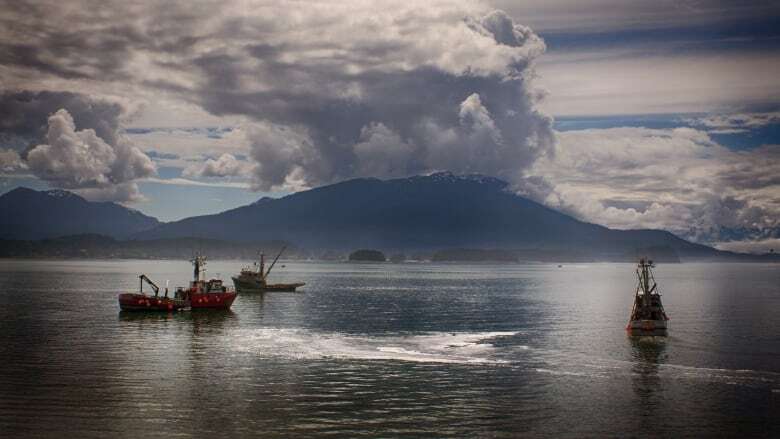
[[212, 300], [142, 302], [254, 286], [648, 327]]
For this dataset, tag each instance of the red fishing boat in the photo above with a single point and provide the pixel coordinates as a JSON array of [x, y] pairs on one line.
[[206, 293], [144, 302], [201, 293]]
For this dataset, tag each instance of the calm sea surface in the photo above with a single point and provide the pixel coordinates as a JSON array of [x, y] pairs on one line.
[[391, 350]]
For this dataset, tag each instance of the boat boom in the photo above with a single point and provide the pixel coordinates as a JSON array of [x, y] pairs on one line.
[[274, 262], [154, 286]]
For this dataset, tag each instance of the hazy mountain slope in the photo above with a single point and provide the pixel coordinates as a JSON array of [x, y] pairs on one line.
[[424, 212], [30, 214]]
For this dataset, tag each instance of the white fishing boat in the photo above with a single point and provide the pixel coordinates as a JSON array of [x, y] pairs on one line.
[[648, 317]]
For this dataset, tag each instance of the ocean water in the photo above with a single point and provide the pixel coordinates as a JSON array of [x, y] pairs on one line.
[[420, 350]]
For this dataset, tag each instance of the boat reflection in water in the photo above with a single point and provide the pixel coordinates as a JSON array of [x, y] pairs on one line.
[[648, 354], [216, 317]]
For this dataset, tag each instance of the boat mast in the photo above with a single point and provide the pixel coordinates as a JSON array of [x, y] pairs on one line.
[[199, 262], [274, 262], [643, 271]]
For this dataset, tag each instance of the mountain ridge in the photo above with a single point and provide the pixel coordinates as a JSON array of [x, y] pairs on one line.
[[29, 214], [418, 213], [441, 210]]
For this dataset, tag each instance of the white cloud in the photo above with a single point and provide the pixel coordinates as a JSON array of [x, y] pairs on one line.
[[673, 179], [79, 159], [281, 153], [123, 192], [225, 165], [734, 123], [10, 161], [188, 182]]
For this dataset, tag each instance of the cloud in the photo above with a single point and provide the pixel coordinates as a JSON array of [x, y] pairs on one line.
[[734, 123], [10, 161], [124, 193], [751, 246], [593, 16], [673, 179], [226, 165], [607, 81], [385, 93], [187, 182], [73, 141], [24, 115], [381, 151], [283, 156], [331, 74], [80, 159]]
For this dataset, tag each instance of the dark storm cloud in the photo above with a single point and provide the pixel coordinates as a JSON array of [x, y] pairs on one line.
[[398, 81], [335, 96], [24, 115]]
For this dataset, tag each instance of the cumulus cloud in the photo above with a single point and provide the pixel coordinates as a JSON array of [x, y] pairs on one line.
[[72, 141], [24, 115], [339, 76], [225, 165], [283, 156], [674, 179], [380, 151], [385, 93], [127, 192], [10, 161], [80, 159]]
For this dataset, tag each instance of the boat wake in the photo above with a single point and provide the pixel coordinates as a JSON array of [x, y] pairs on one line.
[[593, 367], [446, 347]]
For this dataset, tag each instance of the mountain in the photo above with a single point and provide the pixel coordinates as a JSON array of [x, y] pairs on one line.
[[31, 214], [424, 212]]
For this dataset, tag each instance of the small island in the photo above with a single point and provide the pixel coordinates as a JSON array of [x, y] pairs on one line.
[[365, 255]]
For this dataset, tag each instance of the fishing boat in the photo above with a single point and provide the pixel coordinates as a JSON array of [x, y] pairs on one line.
[[254, 280], [144, 302], [648, 317], [200, 294], [206, 293]]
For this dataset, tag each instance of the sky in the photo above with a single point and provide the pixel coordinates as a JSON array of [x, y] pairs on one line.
[[630, 114]]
